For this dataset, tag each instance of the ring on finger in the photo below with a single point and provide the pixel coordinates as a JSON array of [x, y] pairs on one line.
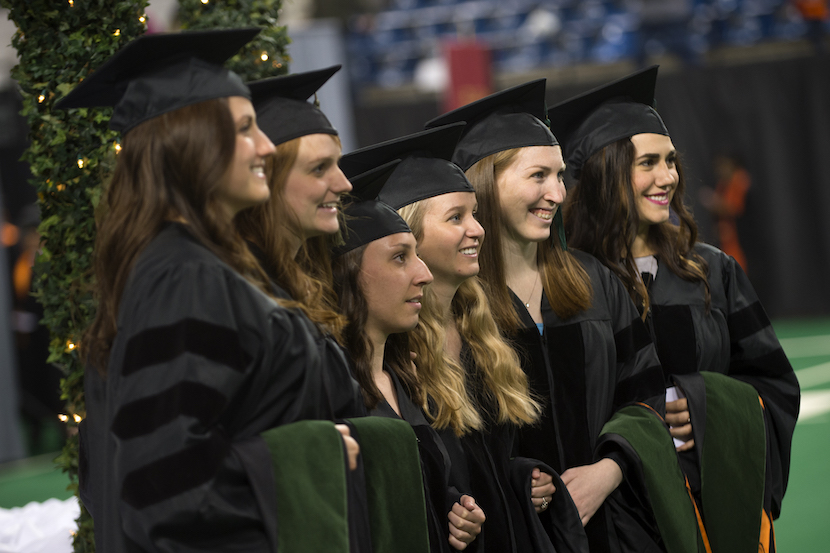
[[544, 504]]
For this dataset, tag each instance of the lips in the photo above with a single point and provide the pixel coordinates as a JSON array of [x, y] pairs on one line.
[[659, 199], [416, 300], [330, 205], [258, 170], [541, 213]]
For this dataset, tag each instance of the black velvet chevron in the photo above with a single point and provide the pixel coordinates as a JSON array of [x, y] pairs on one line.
[[175, 474], [160, 344], [188, 399], [746, 322]]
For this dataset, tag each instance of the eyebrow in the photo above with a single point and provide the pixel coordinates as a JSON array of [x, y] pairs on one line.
[[403, 245]]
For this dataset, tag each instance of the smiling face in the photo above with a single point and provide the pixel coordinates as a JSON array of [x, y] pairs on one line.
[[654, 177], [314, 186], [392, 278], [451, 237], [246, 184], [531, 189]]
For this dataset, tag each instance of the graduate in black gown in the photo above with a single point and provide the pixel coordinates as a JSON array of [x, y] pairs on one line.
[[289, 232], [379, 281], [585, 351], [190, 358], [715, 342], [477, 393]]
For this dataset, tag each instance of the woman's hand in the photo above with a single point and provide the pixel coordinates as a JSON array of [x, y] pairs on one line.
[[589, 485], [352, 447], [680, 422], [465, 519], [541, 489]]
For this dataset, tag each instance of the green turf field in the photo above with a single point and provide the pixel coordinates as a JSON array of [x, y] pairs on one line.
[[804, 526]]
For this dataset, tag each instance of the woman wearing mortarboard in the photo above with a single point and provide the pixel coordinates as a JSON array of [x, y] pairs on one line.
[[584, 349], [190, 359], [379, 280], [289, 233], [472, 387], [734, 426]]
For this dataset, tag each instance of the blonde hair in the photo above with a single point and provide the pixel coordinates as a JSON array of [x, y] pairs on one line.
[[567, 285], [443, 379]]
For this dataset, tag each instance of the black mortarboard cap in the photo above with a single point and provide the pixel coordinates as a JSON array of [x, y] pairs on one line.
[[512, 118], [425, 170], [156, 74], [368, 219], [283, 112], [589, 122]]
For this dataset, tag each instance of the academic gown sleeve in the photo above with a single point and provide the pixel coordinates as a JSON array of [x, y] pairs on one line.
[[733, 337], [202, 363]]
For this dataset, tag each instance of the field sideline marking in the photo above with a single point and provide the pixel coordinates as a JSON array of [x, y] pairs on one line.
[[806, 346], [813, 404]]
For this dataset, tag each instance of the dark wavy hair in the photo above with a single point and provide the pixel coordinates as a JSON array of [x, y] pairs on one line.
[[601, 219], [270, 226], [353, 305], [170, 168], [566, 284]]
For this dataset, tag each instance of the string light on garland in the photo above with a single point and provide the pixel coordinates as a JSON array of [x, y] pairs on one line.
[[40, 99], [77, 418], [143, 18], [117, 32], [205, 1], [117, 148], [264, 56], [63, 418], [69, 344], [71, 3], [80, 163]]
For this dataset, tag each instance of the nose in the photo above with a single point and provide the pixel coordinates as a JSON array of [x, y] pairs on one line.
[[264, 146], [666, 176], [423, 275], [474, 229], [339, 183], [556, 191]]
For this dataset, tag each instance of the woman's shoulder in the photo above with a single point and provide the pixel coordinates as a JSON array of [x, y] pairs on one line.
[[175, 269]]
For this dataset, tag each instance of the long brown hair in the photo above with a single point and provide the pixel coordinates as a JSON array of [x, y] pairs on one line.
[[352, 303], [601, 218], [566, 284], [496, 363], [271, 226], [170, 168]]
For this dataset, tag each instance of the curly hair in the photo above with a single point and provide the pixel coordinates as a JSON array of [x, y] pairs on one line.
[[601, 218], [445, 380], [270, 226], [170, 168], [566, 284]]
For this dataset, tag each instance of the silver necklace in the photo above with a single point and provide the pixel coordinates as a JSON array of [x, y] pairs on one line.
[[537, 279]]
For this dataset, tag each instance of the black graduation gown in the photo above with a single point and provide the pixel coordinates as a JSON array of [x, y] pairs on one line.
[[586, 368], [435, 465], [482, 463], [202, 363], [343, 390], [734, 338]]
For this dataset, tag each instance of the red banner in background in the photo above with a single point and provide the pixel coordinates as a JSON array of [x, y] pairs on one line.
[[470, 73]]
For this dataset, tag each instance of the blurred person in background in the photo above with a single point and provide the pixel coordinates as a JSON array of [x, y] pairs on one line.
[[727, 202]]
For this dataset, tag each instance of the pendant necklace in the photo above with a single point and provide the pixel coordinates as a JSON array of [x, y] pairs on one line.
[[527, 304]]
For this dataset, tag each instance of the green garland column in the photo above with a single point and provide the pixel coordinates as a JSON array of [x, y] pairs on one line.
[[59, 42], [265, 56]]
